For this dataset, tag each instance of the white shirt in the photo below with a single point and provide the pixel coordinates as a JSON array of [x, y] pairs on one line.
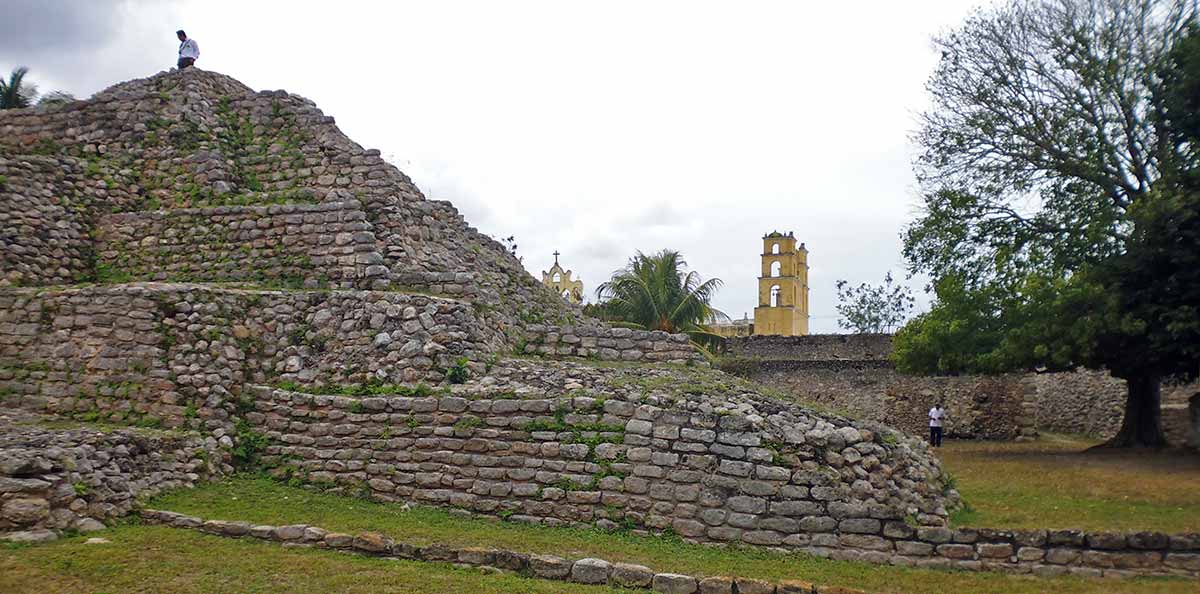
[[189, 49], [935, 416]]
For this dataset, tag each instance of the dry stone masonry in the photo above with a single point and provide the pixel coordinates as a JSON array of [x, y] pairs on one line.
[[692, 451], [320, 245], [179, 354], [77, 478], [548, 567], [853, 373]]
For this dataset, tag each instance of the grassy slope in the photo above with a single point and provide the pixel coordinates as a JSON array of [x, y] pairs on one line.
[[1054, 483], [146, 559], [264, 501]]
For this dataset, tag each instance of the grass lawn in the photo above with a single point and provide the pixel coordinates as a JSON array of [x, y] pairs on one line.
[[1054, 483], [145, 559], [264, 501]]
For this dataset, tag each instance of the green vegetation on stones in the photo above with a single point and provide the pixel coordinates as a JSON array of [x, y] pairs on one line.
[[459, 373]]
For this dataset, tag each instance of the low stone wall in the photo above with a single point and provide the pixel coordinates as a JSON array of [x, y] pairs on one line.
[[177, 355], [77, 479], [1045, 553], [814, 347], [608, 344], [329, 244], [978, 407], [548, 567]]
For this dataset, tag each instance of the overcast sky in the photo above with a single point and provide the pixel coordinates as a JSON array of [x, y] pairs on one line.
[[593, 128]]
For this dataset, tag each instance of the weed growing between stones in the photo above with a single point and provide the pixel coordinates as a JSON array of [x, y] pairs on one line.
[[249, 446], [459, 373]]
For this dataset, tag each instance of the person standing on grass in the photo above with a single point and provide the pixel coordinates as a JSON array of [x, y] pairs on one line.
[[936, 415], [188, 50]]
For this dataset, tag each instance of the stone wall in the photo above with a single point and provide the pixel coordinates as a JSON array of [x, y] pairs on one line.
[[608, 344], [1084, 402], [329, 244], [714, 465], [607, 457], [177, 355], [814, 347], [853, 374], [44, 224], [978, 407], [1093, 403], [78, 478]]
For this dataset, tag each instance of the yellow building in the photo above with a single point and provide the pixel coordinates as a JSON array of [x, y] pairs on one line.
[[733, 328], [783, 287], [560, 282]]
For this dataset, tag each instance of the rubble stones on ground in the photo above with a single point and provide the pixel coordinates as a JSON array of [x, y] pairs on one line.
[[74, 479]]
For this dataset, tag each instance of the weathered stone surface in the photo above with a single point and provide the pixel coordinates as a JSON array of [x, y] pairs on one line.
[[673, 583], [716, 585], [372, 542], [590, 571], [795, 587], [631, 576], [994, 550], [550, 567], [754, 586], [338, 540]]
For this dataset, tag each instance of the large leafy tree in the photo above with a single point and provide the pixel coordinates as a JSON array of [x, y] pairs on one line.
[[15, 93], [1055, 204], [658, 292]]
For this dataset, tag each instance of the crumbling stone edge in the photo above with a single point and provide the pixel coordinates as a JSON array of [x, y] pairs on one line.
[[549, 567]]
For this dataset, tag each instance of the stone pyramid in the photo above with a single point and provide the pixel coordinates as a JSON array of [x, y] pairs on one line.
[[229, 279]]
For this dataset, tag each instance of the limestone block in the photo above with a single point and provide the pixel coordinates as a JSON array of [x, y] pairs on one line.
[[674, 583], [590, 571], [631, 576]]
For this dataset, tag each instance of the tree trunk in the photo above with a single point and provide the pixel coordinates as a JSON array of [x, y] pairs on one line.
[[1142, 425]]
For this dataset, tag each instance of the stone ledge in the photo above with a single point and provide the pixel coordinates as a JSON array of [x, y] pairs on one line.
[[546, 567]]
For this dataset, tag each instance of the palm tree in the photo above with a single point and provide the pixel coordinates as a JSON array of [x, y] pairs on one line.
[[14, 94], [56, 98], [657, 292]]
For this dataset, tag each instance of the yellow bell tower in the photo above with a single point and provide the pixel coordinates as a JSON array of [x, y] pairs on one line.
[[783, 287]]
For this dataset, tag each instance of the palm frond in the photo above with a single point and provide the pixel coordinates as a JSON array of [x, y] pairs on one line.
[[14, 93], [657, 292]]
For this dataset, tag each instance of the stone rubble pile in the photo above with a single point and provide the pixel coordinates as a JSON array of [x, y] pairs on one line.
[[76, 479]]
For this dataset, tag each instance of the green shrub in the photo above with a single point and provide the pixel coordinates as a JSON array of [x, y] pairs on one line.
[[458, 373], [250, 446]]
